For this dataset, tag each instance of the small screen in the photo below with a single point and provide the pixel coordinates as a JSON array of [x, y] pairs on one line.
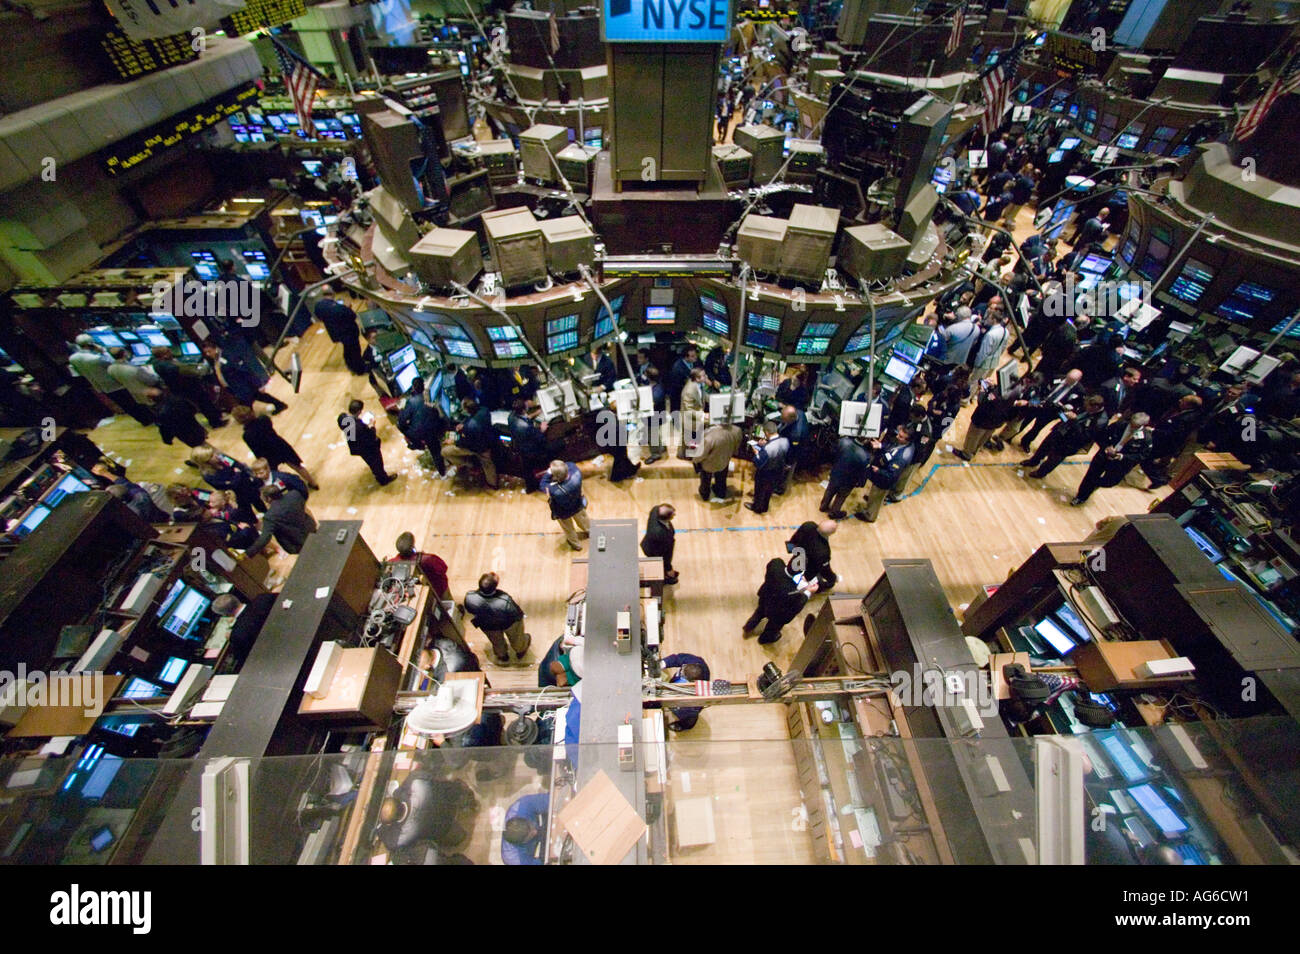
[[860, 341], [1158, 809], [604, 326], [900, 370], [140, 689], [140, 350], [154, 337], [1192, 282], [765, 322], [1127, 141], [1246, 302], [763, 340], [660, 315], [185, 615], [206, 271], [1096, 264], [102, 777], [563, 341], [1123, 757], [510, 349], [812, 345], [1056, 156], [32, 520], [170, 598], [714, 317], [405, 377], [910, 351], [107, 339], [1071, 619], [257, 271], [502, 333], [401, 357], [556, 325], [460, 349], [1072, 142], [67, 484], [313, 166], [172, 669], [1054, 635]]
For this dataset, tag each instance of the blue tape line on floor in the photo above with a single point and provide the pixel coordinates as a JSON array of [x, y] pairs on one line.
[[962, 463]]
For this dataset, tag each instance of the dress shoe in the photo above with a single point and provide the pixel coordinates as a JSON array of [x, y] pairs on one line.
[[1076, 502], [961, 454], [750, 506]]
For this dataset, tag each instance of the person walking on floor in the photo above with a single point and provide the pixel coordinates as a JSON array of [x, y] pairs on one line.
[[562, 485], [770, 456], [717, 446], [529, 442], [692, 415], [340, 323], [1070, 436], [892, 457], [926, 429], [176, 417], [660, 538], [780, 598], [496, 613], [358, 427], [992, 412], [810, 550], [190, 381], [263, 441], [1125, 445], [138, 380]]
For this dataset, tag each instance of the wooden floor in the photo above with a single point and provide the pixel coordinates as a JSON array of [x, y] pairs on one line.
[[976, 522]]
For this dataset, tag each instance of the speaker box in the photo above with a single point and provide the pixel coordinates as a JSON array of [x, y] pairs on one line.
[[394, 143], [536, 145], [759, 241], [393, 218], [872, 252], [517, 246], [529, 33], [569, 243], [766, 145], [500, 160], [733, 164], [446, 255], [809, 235]]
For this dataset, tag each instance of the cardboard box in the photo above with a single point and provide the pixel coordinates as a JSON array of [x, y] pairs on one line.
[[1107, 665], [694, 822]]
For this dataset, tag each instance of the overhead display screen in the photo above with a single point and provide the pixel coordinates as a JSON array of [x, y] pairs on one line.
[[665, 21], [133, 150]]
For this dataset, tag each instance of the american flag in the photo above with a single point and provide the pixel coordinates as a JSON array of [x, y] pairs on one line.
[[1288, 81], [996, 85], [958, 24], [301, 79]]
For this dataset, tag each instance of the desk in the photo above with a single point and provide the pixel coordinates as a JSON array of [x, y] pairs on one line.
[[612, 681]]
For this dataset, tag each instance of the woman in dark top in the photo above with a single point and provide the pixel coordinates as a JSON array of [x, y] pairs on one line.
[[794, 389], [263, 441], [222, 472], [176, 418], [779, 601]]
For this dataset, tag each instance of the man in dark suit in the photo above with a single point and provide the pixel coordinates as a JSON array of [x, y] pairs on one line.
[[893, 455], [358, 429], [495, 612], [852, 460], [477, 440], [340, 323], [679, 374], [1118, 392], [423, 424], [1059, 397], [606, 368], [529, 442], [660, 538], [190, 381], [810, 550], [1070, 436], [286, 519], [1124, 445]]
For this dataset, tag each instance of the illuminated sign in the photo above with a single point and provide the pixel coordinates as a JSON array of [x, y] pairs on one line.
[[666, 21], [132, 58], [133, 150], [1076, 54], [258, 14]]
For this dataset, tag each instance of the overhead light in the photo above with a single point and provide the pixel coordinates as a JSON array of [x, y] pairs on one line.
[[453, 708]]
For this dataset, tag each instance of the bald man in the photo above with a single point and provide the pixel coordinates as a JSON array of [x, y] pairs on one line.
[[810, 551]]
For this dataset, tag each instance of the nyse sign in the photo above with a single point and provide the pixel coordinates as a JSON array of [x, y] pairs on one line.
[[666, 21]]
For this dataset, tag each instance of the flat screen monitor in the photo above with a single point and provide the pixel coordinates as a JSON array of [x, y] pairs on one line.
[[660, 315], [67, 484], [714, 317], [1094, 263], [562, 341], [1158, 809], [313, 166], [1123, 757], [206, 271], [806, 345], [1247, 303], [510, 349], [141, 689], [405, 376], [900, 370], [153, 337], [764, 322], [1072, 142], [172, 670], [1055, 156], [106, 338], [566, 323], [401, 357], [460, 349], [1127, 140], [1192, 281], [1074, 623], [604, 326], [186, 613], [910, 351], [257, 271], [177, 588], [1055, 636], [34, 518], [760, 339], [140, 350], [167, 321], [98, 782], [502, 333]]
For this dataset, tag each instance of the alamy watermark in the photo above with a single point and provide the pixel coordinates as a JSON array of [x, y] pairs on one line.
[[217, 299], [1104, 299], [948, 689], [30, 690]]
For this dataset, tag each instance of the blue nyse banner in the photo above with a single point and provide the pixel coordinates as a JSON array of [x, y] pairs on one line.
[[666, 21]]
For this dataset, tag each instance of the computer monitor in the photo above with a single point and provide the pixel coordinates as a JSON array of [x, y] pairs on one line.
[[1055, 156], [1073, 622], [900, 370], [30, 522], [460, 349], [185, 614], [1157, 809], [1123, 757], [153, 336], [206, 271], [140, 350], [510, 349], [1212, 553], [176, 589], [106, 338], [405, 377], [1070, 143], [910, 351], [762, 340], [714, 317], [1055, 636], [313, 166], [401, 357], [141, 689], [1095, 264], [1127, 141], [257, 271], [68, 484], [189, 349], [660, 315], [172, 670], [102, 777]]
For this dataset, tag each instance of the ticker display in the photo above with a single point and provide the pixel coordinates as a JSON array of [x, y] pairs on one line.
[[133, 150], [132, 58], [259, 14]]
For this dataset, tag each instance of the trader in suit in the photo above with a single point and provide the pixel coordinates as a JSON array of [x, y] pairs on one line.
[[810, 548], [780, 599], [358, 429], [660, 538], [529, 443], [286, 519], [1057, 398], [693, 417], [1070, 436], [1118, 392], [770, 455], [678, 374], [1125, 444], [852, 460], [340, 323], [476, 440], [423, 424], [716, 448], [892, 457]]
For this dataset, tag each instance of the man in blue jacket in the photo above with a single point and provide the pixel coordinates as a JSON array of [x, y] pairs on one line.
[[852, 461], [689, 669], [562, 485], [523, 842], [476, 439], [891, 460], [529, 443]]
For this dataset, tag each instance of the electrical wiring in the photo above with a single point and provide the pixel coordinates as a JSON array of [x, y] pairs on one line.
[[858, 668]]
